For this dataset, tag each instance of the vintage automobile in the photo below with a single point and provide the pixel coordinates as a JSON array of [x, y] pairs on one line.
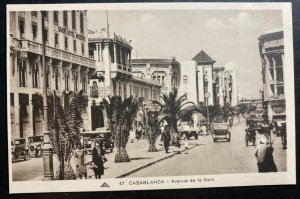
[[220, 131], [257, 114], [89, 138], [19, 149], [35, 144], [189, 131], [254, 125]]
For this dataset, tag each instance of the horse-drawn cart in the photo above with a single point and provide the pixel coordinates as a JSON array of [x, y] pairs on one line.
[[221, 131]]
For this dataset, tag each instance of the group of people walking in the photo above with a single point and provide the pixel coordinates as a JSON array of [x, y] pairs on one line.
[[89, 166]]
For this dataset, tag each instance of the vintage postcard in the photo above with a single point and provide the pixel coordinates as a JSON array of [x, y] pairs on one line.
[[107, 97]]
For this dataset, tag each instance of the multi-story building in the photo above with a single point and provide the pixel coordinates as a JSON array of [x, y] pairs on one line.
[[114, 75], [271, 49], [204, 73], [165, 72], [230, 84], [219, 84], [67, 62]]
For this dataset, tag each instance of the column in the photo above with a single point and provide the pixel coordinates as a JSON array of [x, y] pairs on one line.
[[267, 77], [96, 53], [30, 132], [115, 54], [274, 76], [121, 56], [129, 64], [283, 68], [101, 52], [16, 133]]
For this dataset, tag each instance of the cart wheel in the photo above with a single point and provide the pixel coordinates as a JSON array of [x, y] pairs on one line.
[[215, 140], [111, 150], [228, 139], [25, 157], [246, 142]]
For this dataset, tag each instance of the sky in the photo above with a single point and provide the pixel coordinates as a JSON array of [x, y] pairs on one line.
[[225, 35]]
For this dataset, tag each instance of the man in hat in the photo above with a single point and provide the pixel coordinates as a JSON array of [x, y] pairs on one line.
[[264, 155]]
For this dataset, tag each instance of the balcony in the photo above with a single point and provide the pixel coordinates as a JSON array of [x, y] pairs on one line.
[[37, 48], [100, 92]]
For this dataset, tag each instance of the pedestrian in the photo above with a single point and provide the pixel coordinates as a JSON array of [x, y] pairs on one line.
[[185, 143], [97, 159], [90, 166], [132, 135], [203, 128], [276, 128], [264, 156], [166, 138], [283, 135], [79, 154], [138, 132]]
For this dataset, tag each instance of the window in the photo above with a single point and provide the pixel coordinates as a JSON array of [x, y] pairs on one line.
[[46, 15], [74, 19], [34, 13], [82, 49], [35, 70], [66, 43], [84, 83], [185, 79], [81, 22], [158, 79], [34, 30], [55, 17], [75, 78], [48, 76], [22, 73], [67, 81], [125, 92], [163, 80], [56, 40], [47, 37], [154, 78], [56, 76], [75, 46], [22, 27], [65, 18]]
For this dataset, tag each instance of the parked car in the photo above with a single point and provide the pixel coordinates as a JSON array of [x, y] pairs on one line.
[[19, 149], [99, 135], [35, 144], [189, 131]]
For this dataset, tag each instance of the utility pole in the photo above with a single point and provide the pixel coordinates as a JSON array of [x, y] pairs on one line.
[[47, 147]]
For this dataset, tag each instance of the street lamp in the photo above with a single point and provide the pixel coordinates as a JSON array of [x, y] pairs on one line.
[[47, 147]]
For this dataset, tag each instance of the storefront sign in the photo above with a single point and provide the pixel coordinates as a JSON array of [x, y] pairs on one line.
[[71, 33]]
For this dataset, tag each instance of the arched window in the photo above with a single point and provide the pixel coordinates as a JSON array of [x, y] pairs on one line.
[[75, 79], [22, 73], [67, 80], [94, 91], [35, 70]]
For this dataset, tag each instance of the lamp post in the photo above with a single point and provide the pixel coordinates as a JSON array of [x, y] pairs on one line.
[[47, 147]]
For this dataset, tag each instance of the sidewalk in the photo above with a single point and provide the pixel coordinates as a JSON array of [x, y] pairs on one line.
[[139, 158]]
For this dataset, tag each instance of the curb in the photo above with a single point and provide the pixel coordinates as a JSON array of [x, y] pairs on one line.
[[151, 163]]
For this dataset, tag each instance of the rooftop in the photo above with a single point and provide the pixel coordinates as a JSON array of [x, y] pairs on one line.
[[202, 58], [151, 61]]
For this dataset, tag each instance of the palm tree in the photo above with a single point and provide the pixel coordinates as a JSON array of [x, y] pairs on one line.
[[120, 115], [151, 128], [65, 123], [173, 108]]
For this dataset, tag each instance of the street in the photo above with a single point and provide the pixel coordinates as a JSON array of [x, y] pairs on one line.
[[206, 158], [215, 158]]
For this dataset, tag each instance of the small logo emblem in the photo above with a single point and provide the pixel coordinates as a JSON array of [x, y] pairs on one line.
[[104, 185]]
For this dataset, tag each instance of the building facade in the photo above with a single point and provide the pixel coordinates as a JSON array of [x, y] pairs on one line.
[[204, 76], [271, 49], [165, 72], [114, 75], [67, 63]]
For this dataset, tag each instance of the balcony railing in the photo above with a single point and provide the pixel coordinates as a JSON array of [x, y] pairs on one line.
[[37, 48], [99, 92]]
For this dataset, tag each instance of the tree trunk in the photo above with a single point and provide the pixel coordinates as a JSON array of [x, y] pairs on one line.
[[121, 155], [152, 148]]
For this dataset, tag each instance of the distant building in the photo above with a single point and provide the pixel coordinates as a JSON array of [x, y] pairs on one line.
[[219, 86], [67, 62], [204, 79], [230, 81], [165, 72], [271, 49], [114, 75]]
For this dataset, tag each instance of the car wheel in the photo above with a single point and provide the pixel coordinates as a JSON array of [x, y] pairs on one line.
[[13, 158], [111, 150]]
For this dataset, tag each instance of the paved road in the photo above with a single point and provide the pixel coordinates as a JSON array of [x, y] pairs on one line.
[[214, 158]]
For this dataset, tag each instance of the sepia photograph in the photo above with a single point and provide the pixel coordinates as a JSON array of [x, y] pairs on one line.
[[105, 97]]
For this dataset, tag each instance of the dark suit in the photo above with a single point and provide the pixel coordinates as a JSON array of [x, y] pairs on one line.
[[98, 161]]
